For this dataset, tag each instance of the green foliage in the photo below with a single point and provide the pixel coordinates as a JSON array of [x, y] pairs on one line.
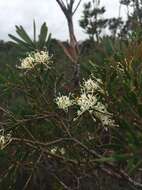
[[115, 25], [122, 76], [37, 125], [28, 44], [134, 17], [91, 21]]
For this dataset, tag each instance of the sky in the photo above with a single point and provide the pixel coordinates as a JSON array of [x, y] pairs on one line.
[[22, 12]]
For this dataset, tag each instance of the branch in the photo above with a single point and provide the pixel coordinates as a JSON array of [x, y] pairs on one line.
[[62, 6], [44, 144], [108, 167], [71, 3], [56, 156], [76, 7], [62, 183]]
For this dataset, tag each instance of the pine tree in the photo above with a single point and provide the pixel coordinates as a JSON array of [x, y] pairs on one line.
[[134, 19], [92, 20], [115, 25]]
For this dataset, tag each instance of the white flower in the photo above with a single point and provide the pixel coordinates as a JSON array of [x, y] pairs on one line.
[[89, 102], [106, 120], [86, 102], [53, 150], [56, 149], [27, 63], [103, 115], [64, 102], [92, 85], [34, 59], [41, 57], [4, 139], [101, 107]]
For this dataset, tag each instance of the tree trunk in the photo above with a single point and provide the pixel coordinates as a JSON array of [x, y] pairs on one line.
[[75, 52], [73, 40]]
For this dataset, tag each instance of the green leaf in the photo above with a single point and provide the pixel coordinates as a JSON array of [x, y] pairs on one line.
[[23, 34], [42, 36], [135, 167], [48, 42], [20, 43], [34, 32], [116, 157]]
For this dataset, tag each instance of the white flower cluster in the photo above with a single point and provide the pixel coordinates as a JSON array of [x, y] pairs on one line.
[[4, 139], [41, 57], [88, 101], [27, 63], [100, 111], [57, 149], [89, 91], [64, 102], [34, 59], [91, 85]]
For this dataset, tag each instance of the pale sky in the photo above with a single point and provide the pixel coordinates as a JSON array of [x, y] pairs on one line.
[[22, 12]]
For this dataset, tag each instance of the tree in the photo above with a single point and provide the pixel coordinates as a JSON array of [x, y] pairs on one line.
[[69, 8], [127, 4], [115, 24], [92, 21], [134, 19], [69, 11]]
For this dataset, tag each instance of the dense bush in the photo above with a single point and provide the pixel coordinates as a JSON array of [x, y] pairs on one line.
[[51, 130]]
